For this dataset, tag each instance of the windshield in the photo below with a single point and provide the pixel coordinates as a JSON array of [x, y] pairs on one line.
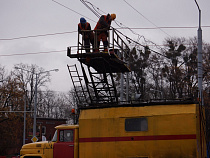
[[55, 137]]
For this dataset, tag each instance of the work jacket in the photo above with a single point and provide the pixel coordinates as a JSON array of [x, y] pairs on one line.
[[84, 27], [103, 23]]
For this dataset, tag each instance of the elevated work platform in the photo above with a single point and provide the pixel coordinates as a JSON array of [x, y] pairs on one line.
[[96, 85], [102, 62], [113, 61]]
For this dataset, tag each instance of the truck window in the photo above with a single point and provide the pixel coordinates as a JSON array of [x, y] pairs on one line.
[[55, 137], [136, 124], [66, 136]]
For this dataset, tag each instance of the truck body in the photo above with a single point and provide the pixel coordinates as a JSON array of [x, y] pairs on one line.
[[128, 131]]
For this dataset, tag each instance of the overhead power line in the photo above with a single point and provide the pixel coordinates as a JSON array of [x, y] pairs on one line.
[[72, 10], [145, 17], [129, 39], [32, 53], [93, 10], [55, 51], [164, 27], [133, 28], [31, 36]]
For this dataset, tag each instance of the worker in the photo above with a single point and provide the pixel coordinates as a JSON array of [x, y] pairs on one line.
[[84, 29], [103, 27]]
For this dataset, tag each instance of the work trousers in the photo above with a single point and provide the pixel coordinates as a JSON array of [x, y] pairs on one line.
[[87, 42], [102, 36]]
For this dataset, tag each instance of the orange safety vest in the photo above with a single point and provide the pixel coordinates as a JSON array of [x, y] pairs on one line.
[[86, 26], [99, 26]]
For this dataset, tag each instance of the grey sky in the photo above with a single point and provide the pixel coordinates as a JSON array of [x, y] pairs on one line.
[[21, 18]]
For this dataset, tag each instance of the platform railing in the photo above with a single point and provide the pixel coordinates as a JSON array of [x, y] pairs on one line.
[[115, 43]]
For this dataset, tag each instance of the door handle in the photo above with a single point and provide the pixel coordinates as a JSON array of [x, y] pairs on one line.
[[71, 145]]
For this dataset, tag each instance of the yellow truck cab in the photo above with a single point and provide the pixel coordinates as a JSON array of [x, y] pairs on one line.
[[65, 142], [169, 130]]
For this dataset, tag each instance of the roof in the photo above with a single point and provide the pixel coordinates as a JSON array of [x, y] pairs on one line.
[[66, 126], [138, 111], [139, 104]]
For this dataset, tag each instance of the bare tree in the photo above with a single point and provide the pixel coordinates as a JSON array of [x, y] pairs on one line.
[[26, 74]]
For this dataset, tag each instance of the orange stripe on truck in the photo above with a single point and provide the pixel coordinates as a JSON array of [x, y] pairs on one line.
[[138, 138]]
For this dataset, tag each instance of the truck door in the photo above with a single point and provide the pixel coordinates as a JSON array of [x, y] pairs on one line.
[[65, 146]]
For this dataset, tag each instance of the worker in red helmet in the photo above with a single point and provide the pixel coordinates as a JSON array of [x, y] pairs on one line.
[[103, 26], [84, 29]]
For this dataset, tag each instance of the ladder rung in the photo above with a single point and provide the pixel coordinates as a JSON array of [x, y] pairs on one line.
[[77, 76], [81, 91]]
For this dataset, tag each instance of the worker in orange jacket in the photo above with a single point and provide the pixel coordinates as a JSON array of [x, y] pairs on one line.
[[84, 29], [103, 25]]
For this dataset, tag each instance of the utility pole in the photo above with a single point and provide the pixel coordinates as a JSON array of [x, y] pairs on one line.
[[24, 128], [35, 103], [200, 66]]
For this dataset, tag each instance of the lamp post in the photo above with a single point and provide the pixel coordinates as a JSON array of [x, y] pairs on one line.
[[200, 66], [35, 99], [24, 128]]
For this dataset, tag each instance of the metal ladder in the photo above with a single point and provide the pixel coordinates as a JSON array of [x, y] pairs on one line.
[[103, 87], [81, 93]]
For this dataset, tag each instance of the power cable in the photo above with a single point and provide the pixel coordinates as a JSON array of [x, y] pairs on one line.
[[31, 36], [145, 17], [97, 14], [120, 27], [31, 53], [94, 12], [35, 53], [164, 27], [72, 10], [94, 7], [140, 44], [84, 2]]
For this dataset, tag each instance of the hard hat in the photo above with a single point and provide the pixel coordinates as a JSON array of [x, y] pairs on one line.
[[113, 16], [82, 20]]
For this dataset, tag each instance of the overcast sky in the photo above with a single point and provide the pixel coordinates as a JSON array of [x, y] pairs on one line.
[[26, 18]]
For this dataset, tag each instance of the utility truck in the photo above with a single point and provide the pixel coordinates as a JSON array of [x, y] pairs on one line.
[[147, 130], [108, 127]]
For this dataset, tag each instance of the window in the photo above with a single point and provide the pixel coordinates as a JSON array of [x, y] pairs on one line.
[[55, 137], [136, 124], [43, 130], [66, 136]]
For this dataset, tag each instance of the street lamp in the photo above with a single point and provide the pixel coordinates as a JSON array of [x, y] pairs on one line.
[[35, 99], [200, 66]]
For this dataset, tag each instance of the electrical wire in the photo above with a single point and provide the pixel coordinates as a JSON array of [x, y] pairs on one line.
[[72, 10], [140, 44], [94, 7], [145, 17], [139, 36], [19, 54], [7, 55], [32, 36], [94, 12], [98, 15], [164, 27], [120, 27]]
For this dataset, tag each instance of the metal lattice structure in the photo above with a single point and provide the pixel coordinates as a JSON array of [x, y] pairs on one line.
[[96, 84]]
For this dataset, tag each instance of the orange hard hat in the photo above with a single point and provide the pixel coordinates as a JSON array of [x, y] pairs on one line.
[[113, 16]]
